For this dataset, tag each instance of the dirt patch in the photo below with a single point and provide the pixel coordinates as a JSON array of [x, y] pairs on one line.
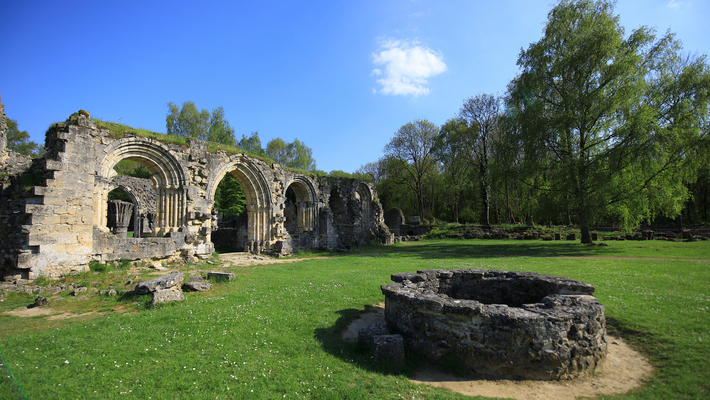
[[247, 259], [40, 311], [624, 369], [30, 311]]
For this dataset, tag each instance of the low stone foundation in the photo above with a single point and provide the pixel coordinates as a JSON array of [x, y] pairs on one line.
[[512, 325]]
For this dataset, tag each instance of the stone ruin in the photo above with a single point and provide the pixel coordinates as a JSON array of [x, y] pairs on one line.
[[510, 325], [54, 210]]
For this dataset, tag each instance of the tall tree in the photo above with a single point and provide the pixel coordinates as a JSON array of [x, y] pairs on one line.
[[229, 198], [451, 150], [252, 144], [371, 172], [220, 131], [19, 141], [293, 155], [583, 112], [410, 148], [203, 125], [482, 113]]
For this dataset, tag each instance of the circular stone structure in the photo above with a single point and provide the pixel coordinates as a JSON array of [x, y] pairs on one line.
[[511, 325]]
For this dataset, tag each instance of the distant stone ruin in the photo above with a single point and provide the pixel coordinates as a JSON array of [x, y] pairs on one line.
[[54, 210]]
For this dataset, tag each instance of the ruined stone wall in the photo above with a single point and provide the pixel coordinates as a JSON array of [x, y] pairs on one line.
[[59, 205], [506, 325]]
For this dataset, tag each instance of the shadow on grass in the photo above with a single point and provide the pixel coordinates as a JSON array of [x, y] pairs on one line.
[[332, 342], [479, 248]]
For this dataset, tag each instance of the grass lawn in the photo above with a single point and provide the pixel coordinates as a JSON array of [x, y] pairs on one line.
[[274, 332]]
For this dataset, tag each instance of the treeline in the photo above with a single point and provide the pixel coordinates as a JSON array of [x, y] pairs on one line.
[[214, 127], [597, 127]]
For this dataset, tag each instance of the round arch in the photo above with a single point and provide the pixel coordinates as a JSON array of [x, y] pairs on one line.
[[256, 191], [301, 206], [169, 179], [364, 195]]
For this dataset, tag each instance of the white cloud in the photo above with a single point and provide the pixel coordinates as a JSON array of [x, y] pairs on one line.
[[675, 4], [407, 66]]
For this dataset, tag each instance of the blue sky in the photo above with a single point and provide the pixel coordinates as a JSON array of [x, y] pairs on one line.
[[341, 76]]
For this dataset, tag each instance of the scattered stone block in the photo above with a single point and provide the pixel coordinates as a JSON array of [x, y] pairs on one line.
[[196, 286], [78, 290], [388, 348], [366, 335], [572, 236], [167, 295], [158, 266], [595, 236], [558, 236], [164, 282], [40, 301], [227, 276]]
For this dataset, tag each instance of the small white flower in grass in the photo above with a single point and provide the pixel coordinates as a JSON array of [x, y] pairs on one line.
[[66, 361]]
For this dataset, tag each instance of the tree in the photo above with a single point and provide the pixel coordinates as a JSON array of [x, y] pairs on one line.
[[252, 144], [584, 114], [450, 149], [19, 141], [188, 121], [410, 149], [482, 113], [293, 155], [220, 130], [229, 197], [372, 172]]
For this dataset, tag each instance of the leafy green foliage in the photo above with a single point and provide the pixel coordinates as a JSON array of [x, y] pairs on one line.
[[410, 157], [596, 119], [189, 122], [19, 141], [252, 144], [229, 197], [294, 155], [452, 151]]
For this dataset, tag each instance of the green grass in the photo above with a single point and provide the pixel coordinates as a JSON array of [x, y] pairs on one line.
[[274, 331]]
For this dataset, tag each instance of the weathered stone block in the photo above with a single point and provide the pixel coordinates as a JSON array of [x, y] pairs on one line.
[[366, 335], [164, 282], [227, 276], [167, 295], [388, 348], [40, 301], [196, 286]]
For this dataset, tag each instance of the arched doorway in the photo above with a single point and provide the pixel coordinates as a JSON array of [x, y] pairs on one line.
[[168, 179], [364, 197], [257, 196], [300, 208]]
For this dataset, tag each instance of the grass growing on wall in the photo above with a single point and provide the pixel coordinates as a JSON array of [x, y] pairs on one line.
[[274, 332]]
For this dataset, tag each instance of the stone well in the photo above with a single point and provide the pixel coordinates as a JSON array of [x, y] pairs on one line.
[[512, 325]]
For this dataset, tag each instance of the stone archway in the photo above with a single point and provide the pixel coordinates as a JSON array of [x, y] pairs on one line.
[[300, 207], [143, 196], [169, 180], [364, 197], [258, 197]]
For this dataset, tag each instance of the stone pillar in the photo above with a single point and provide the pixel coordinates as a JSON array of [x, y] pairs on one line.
[[120, 216], [253, 224]]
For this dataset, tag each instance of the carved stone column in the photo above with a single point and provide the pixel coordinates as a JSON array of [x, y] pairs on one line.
[[119, 214]]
